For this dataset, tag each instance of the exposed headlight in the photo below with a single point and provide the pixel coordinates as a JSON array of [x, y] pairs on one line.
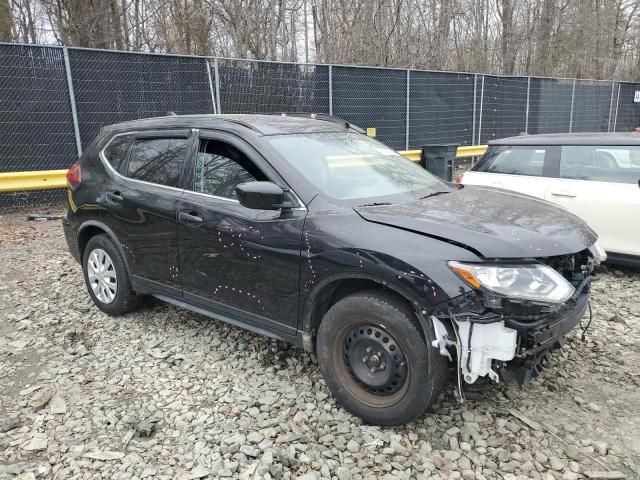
[[598, 252], [539, 283]]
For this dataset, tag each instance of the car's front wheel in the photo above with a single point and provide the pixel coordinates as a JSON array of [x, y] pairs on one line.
[[106, 277], [375, 360]]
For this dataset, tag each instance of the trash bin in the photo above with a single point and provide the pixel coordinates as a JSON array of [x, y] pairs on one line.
[[439, 159]]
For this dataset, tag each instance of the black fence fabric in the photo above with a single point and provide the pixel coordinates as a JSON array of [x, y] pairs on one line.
[[441, 108], [408, 109], [270, 87], [36, 125], [504, 107], [112, 87], [372, 98]]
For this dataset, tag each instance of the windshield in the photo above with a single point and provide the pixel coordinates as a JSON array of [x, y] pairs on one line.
[[351, 166]]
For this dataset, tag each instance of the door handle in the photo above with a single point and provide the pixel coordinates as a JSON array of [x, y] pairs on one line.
[[114, 197], [564, 194], [190, 219]]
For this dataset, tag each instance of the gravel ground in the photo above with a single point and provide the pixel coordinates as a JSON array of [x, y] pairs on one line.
[[165, 393]]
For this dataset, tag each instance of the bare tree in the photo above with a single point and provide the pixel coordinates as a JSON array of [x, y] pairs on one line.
[[582, 38]]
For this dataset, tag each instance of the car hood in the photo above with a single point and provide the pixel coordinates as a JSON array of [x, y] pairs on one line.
[[491, 222]]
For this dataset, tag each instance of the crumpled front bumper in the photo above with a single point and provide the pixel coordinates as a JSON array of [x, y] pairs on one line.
[[490, 340], [546, 333]]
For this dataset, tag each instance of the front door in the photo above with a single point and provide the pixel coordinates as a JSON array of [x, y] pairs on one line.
[[522, 169], [238, 262], [600, 184]]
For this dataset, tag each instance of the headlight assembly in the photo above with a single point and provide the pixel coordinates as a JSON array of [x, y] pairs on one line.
[[539, 283]]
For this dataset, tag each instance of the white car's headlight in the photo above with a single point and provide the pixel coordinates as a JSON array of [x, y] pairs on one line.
[[598, 252], [539, 283]]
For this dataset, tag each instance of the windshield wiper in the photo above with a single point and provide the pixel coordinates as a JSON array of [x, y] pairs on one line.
[[375, 204], [441, 192]]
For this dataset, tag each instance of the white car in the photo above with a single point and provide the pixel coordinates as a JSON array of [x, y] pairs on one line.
[[594, 175]]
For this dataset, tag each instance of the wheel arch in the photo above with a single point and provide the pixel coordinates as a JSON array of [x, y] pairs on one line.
[[90, 229], [338, 286]]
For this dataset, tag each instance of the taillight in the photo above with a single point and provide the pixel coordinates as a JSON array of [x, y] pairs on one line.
[[458, 179], [74, 175]]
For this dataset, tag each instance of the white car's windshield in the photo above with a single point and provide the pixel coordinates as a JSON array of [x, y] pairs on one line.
[[350, 166]]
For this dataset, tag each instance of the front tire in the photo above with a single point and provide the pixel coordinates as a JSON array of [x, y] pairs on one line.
[[106, 277], [375, 360]]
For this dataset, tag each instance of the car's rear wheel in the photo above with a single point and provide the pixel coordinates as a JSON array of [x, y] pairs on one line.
[[375, 360], [107, 278]]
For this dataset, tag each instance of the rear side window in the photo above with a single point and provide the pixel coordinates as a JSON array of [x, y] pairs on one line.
[[520, 160], [157, 160], [117, 149], [616, 164]]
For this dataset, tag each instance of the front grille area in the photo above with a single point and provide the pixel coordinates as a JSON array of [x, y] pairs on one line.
[[573, 267]]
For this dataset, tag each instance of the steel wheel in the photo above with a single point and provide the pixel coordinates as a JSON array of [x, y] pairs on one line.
[[102, 276], [375, 360], [374, 371]]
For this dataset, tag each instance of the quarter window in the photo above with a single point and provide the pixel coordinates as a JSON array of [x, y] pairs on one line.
[[525, 160], [616, 164], [116, 150], [220, 167], [157, 160]]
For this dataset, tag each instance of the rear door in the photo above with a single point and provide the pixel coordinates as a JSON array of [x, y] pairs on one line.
[[600, 185], [241, 263], [522, 169], [139, 203]]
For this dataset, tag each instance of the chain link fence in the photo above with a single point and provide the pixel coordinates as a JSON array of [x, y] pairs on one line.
[[54, 100]]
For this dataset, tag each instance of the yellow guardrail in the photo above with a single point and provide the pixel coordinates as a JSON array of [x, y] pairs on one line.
[[40, 180], [461, 152], [50, 179], [468, 151]]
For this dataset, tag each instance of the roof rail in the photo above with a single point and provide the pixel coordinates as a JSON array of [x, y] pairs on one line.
[[325, 118]]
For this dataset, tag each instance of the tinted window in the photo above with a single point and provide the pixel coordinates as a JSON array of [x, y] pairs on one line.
[[601, 163], [116, 150], [513, 160], [157, 160], [220, 167]]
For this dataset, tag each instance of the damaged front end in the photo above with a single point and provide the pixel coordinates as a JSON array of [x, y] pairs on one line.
[[514, 315]]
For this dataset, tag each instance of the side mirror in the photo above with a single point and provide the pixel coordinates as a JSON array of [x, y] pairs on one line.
[[261, 196]]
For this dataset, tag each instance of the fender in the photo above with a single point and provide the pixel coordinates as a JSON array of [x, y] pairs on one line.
[[109, 232], [401, 290]]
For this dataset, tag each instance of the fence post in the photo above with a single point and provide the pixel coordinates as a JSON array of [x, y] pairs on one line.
[[331, 90], [72, 100], [615, 120], [217, 80], [526, 118], [573, 92], [613, 84], [213, 96], [480, 119], [475, 92], [406, 139]]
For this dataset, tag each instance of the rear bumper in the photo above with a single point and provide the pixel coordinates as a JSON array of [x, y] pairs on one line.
[[71, 237]]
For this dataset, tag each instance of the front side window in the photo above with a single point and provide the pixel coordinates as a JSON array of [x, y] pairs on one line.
[[220, 167], [351, 166], [116, 150], [157, 160], [516, 160], [616, 164]]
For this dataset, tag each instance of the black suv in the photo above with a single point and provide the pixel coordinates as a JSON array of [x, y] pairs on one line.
[[304, 229]]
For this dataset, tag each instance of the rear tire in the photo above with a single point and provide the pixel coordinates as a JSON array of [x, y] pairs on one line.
[[375, 360], [107, 278]]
